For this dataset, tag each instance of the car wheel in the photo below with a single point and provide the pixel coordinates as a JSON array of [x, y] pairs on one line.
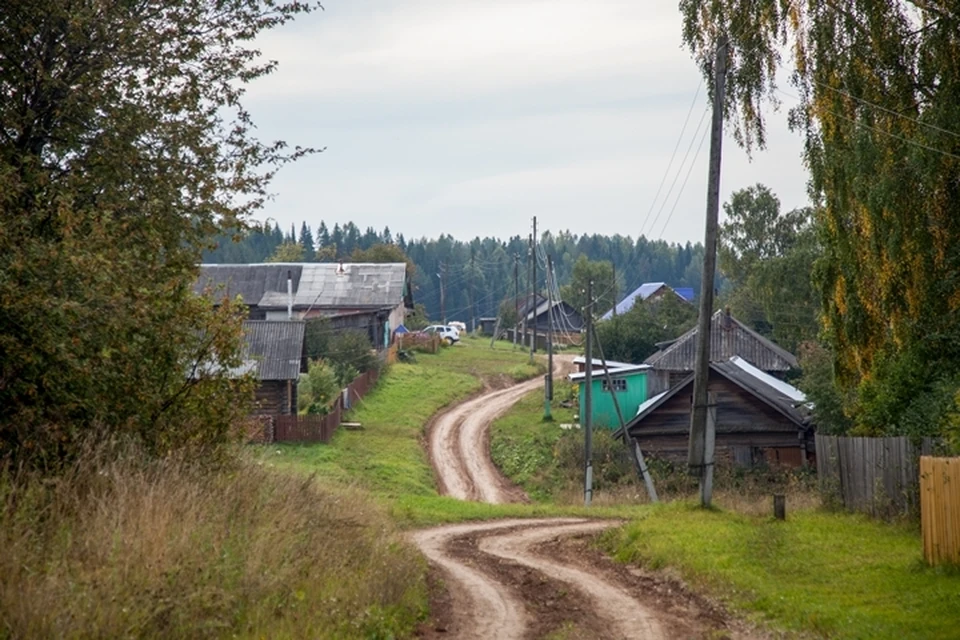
[[449, 341]]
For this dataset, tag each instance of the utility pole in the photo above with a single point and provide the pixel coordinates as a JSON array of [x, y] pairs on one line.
[[533, 341], [526, 307], [588, 402], [702, 430], [548, 387], [636, 455], [616, 295], [443, 294], [516, 297], [473, 314]]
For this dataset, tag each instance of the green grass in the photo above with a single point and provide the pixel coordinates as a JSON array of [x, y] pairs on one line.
[[837, 575], [387, 457], [523, 446]]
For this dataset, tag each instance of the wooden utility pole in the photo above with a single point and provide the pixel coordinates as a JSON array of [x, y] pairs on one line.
[[548, 387], [700, 457], [516, 298], [473, 315], [616, 295], [526, 306], [533, 341], [633, 447], [588, 402], [443, 294]]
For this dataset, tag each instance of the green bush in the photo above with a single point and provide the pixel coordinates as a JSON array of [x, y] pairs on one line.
[[317, 389]]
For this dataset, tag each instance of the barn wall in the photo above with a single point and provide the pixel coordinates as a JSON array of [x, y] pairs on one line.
[[271, 398], [748, 430]]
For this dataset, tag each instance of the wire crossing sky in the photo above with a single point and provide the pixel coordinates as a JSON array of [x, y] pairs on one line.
[[469, 118]]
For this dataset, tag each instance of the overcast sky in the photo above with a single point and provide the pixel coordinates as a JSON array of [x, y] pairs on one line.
[[469, 118]]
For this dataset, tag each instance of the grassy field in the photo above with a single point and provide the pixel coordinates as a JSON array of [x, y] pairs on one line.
[[387, 457], [836, 575]]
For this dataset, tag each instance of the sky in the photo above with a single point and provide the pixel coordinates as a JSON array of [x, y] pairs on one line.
[[469, 118]]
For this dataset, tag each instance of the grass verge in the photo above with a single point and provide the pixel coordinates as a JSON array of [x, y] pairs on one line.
[[123, 547], [837, 575]]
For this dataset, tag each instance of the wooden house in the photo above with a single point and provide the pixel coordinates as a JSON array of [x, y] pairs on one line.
[[728, 338], [759, 418], [371, 297], [275, 351], [648, 291]]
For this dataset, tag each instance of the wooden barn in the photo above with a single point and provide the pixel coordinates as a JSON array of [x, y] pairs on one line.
[[275, 351], [759, 419], [728, 338]]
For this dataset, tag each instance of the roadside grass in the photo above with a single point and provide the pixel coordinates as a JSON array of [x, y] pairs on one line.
[[387, 457], [836, 575], [124, 546]]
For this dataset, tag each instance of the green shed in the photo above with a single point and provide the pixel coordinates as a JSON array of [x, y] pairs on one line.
[[630, 385]]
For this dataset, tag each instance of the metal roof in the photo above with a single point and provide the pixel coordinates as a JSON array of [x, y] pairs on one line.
[[250, 281], [276, 346], [355, 285], [728, 337], [643, 292], [776, 396], [617, 372]]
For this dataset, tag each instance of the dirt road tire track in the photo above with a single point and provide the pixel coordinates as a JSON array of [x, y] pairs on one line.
[[459, 446]]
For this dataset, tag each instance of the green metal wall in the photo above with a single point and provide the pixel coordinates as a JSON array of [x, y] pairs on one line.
[[604, 413]]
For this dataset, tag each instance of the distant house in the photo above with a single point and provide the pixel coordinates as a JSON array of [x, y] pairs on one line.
[[566, 319], [648, 291], [631, 386], [371, 297], [275, 351], [728, 337], [759, 419]]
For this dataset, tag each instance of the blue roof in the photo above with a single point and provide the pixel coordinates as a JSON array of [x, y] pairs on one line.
[[643, 292]]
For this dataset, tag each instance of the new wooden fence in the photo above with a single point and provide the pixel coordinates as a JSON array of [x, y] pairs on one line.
[[940, 509], [879, 476], [317, 428]]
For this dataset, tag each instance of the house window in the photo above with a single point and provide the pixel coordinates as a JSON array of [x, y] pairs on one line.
[[619, 384]]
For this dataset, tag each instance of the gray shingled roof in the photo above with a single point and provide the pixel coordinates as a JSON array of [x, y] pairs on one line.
[[728, 337], [276, 346], [315, 285]]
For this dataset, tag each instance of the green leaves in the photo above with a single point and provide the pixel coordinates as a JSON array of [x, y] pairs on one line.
[[123, 148]]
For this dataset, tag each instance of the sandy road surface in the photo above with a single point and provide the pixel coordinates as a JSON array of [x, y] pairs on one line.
[[460, 448], [529, 579]]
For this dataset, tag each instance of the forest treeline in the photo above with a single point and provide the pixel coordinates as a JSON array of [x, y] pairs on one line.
[[483, 268]]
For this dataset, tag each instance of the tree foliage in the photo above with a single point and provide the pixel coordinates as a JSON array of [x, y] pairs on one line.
[[604, 289], [879, 99], [123, 149], [633, 336], [767, 258]]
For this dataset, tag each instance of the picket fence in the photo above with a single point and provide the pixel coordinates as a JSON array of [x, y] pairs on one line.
[[315, 428]]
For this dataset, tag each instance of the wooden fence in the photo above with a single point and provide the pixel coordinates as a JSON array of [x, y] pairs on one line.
[[879, 476], [940, 509], [430, 344], [316, 428]]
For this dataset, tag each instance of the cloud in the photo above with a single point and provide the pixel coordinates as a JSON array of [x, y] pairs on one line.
[[469, 118]]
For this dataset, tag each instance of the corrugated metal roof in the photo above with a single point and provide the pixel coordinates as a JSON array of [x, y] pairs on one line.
[[315, 285], [728, 337], [249, 281], [615, 372], [276, 346]]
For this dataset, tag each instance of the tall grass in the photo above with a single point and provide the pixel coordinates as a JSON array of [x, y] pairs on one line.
[[119, 546]]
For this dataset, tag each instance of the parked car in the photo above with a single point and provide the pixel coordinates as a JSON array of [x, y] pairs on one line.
[[447, 333]]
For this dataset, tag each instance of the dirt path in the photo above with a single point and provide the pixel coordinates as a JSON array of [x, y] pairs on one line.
[[534, 578], [460, 448]]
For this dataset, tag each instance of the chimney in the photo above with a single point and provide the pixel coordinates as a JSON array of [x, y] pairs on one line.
[[289, 295]]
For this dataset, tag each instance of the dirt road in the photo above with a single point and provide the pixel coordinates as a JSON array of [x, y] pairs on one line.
[[460, 447], [533, 578]]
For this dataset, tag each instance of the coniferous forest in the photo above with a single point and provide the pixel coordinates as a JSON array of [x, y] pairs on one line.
[[482, 267]]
